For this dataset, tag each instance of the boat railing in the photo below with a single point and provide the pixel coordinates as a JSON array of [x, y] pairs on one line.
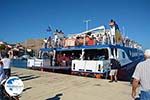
[[90, 38]]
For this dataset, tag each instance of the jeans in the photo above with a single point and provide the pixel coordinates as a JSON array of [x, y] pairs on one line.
[[1, 92], [7, 72], [145, 95]]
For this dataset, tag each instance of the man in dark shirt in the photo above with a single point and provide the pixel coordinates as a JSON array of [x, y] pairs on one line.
[[114, 68]]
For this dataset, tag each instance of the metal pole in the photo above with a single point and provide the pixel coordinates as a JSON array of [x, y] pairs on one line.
[[25, 47], [87, 27], [87, 24], [123, 31]]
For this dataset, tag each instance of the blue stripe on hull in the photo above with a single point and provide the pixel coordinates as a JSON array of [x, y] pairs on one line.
[[125, 73]]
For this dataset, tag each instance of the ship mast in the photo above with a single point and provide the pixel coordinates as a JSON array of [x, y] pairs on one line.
[[87, 27]]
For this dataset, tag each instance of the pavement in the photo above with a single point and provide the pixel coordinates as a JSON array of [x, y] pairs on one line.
[[41, 85]]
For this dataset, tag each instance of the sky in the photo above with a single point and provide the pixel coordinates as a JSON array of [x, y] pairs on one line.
[[28, 19]]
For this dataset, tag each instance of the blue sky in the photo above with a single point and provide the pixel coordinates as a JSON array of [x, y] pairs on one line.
[[26, 19]]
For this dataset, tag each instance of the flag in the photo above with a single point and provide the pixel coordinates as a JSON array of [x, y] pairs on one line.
[[49, 29]]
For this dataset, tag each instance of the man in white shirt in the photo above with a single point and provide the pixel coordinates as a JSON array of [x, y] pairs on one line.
[[6, 64], [142, 76], [112, 32]]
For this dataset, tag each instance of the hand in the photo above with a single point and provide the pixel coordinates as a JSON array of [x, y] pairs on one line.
[[133, 94]]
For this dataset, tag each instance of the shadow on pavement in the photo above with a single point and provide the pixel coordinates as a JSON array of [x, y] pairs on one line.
[[27, 89], [28, 77], [57, 97]]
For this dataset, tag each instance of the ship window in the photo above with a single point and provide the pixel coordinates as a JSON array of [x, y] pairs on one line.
[[123, 55], [45, 55], [114, 51], [129, 53], [67, 55], [96, 54]]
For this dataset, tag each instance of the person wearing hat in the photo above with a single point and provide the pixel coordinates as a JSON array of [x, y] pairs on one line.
[[141, 77]]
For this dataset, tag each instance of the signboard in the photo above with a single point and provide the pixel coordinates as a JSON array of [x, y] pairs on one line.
[[14, 86]]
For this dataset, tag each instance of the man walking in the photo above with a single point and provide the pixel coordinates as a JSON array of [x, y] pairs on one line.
[[142, 76]]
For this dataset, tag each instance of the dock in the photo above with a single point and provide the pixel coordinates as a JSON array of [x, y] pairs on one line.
[[40, 85]]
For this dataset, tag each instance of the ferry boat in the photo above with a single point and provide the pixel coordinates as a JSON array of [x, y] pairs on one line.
[[92, 57]]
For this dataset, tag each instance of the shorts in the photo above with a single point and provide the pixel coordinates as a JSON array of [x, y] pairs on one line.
[[113, 72], [145, 95]]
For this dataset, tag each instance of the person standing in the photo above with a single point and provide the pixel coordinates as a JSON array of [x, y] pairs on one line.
[[115, 36], [6, 64], [118, 36], [114, 69], [112, 32], [2, 76], [141, 77], [1, 71]]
